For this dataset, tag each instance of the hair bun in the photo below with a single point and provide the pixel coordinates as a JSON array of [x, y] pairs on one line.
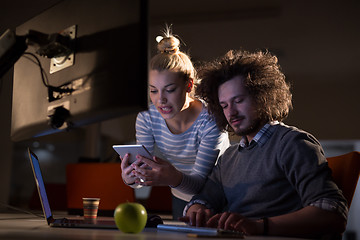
[[169, 44]]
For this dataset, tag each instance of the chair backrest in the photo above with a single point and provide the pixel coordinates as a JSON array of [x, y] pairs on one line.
[[345, 171], [101, 180]]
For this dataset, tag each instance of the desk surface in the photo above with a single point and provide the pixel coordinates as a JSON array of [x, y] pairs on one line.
[[21, 226]]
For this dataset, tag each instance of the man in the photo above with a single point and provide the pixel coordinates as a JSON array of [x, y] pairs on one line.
[[276, 181]]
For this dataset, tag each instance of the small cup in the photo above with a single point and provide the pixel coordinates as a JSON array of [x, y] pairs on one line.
[[91, 206]]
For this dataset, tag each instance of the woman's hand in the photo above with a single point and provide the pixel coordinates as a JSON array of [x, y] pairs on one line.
[[156, 172], [236, 222], [127, 170]]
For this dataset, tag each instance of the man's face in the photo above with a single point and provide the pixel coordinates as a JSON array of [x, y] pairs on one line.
[[239, 108]]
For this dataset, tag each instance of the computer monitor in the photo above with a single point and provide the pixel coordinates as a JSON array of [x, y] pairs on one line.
[[106, 73]]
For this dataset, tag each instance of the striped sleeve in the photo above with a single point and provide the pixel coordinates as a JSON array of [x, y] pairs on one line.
[[144, 131], [193, 152], [212, 143]]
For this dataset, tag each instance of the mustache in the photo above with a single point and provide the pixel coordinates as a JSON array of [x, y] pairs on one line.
[[236, 118]]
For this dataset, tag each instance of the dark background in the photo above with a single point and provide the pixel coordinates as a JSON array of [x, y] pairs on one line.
[[317, 43]]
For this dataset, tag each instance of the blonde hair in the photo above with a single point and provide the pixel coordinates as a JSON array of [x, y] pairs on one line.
[[171, 58]]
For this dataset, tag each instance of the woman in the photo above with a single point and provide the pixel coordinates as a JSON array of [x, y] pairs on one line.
[[176, 129]]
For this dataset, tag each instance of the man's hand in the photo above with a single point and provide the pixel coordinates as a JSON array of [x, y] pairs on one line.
[[236, 222], [197, 215]]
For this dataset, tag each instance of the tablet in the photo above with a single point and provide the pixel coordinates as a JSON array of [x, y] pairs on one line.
[[133, 150], [200, 231]]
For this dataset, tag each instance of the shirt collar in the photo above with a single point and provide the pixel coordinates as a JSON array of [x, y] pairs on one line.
[[262, 136]]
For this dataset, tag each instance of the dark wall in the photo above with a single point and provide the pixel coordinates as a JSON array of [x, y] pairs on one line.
[[317, 43]]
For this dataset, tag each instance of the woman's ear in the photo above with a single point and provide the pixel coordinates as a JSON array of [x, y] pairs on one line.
[[190, 85]]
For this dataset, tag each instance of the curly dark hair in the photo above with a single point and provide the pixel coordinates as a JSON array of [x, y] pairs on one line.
[[263, 79]]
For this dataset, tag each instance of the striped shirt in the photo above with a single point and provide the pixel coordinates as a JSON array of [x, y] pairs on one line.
[[193, 152]]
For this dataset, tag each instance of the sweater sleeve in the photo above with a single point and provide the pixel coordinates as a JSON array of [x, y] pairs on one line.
[[306, 168]]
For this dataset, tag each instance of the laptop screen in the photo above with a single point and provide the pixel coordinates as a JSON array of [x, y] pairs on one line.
[[40, 183]]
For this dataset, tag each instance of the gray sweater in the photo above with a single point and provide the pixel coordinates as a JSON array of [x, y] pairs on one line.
[[286, 173]]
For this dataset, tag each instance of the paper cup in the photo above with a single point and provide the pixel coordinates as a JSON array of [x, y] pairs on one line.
[[91, 206]]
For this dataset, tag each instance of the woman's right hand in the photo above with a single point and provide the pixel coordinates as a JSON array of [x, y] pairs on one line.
[[127, 171]]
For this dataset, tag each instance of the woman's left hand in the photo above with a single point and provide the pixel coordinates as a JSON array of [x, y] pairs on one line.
[[157, 172]]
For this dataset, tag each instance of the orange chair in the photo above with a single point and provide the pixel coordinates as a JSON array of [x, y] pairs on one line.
[[101, 180], [345, 171]]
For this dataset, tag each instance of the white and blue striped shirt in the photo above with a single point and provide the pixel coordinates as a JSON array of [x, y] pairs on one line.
[[193, 152]]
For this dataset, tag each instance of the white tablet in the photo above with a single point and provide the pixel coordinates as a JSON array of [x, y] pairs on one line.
[[133, 150]]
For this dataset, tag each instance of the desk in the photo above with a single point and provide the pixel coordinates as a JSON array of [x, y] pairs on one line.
[[27, 227]]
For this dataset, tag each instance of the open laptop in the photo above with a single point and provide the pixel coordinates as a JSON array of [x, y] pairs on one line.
[[63, 222]]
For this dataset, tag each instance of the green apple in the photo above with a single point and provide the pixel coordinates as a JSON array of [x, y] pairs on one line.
[[130, 217]]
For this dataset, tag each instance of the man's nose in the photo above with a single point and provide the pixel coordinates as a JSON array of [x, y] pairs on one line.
[[232, 110]]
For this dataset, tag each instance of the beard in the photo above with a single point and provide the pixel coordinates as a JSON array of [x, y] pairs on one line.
[[252, 128]]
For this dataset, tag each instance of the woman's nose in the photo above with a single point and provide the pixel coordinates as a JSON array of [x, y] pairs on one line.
[[162, 99]]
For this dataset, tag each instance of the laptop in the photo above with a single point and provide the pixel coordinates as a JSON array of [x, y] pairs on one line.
[[61, 222]]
